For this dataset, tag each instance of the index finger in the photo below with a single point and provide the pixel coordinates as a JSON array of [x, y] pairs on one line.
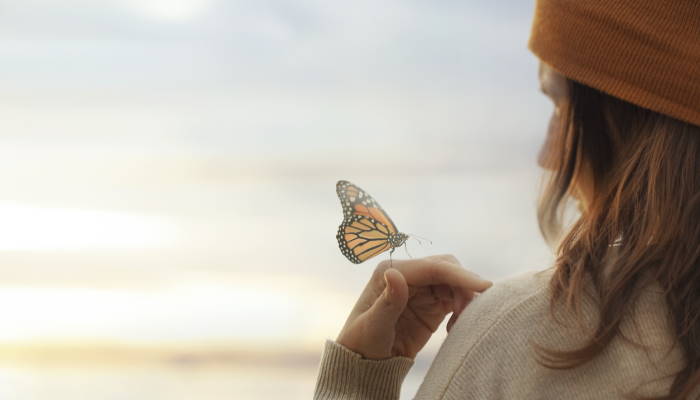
[[431, 271]]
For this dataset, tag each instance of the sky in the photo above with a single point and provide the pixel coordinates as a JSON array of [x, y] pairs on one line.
[[168, 167]]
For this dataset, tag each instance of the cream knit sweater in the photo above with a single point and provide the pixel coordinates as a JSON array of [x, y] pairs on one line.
[[486, 355]]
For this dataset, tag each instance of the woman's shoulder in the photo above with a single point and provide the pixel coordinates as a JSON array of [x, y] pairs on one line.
[[492, 332], [489, 354], [506, 309], [523, 283], [520, 293]]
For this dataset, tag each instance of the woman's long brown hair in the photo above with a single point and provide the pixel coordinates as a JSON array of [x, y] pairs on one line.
[[645, 170]]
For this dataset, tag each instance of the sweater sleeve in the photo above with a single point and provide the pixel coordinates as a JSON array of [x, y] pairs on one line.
[[344, 374]]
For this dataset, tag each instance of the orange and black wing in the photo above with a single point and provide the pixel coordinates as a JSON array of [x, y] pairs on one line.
[[361, 238], [357, 202]]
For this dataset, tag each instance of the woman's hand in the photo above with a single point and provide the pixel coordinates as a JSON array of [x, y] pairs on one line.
[[402, 305]]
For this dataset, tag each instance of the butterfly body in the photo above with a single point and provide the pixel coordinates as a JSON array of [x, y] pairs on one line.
[[366, 230]]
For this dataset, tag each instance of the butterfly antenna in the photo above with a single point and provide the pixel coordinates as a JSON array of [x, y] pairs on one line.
[[405, 246], [418, 238]]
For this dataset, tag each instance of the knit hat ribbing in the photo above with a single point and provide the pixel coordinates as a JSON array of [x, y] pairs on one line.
[[646, 52]]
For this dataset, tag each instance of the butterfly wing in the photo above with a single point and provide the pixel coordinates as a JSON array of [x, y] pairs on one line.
[[361, 238], [356, 201]]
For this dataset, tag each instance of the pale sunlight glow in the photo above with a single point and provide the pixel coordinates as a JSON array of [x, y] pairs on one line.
[[203, 312], [41, 229]]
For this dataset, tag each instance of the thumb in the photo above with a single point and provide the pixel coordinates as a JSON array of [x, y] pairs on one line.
[[390, 304]]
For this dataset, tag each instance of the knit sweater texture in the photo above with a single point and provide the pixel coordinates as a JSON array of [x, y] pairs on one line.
[[487, 354]]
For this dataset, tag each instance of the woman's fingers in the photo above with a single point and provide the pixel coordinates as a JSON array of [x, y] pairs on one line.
[[444, 293], [438, 270], [396, 288], [460, 303], [449, 282], [404, 303], [378, 331], [391, 303]]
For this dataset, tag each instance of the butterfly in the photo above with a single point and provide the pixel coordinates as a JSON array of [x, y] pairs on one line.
[[366, 229]]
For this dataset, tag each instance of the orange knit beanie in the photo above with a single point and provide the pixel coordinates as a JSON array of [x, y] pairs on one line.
[[646, 52]]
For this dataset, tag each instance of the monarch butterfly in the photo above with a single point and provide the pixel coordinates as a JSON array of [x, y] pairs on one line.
[[366, 229]]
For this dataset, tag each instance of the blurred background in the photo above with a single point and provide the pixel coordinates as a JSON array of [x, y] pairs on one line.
[[167, 167]]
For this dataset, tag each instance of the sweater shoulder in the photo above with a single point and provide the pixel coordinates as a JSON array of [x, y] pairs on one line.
[[511, 295], [506, 309], [489, 353]]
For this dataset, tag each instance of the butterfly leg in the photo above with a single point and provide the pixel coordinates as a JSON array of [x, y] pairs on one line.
[[405, 246], [391, 261]]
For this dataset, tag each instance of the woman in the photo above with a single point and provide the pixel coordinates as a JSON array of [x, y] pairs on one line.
[[619, 312]]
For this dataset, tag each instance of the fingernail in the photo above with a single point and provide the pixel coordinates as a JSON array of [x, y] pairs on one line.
[[390, 290]]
